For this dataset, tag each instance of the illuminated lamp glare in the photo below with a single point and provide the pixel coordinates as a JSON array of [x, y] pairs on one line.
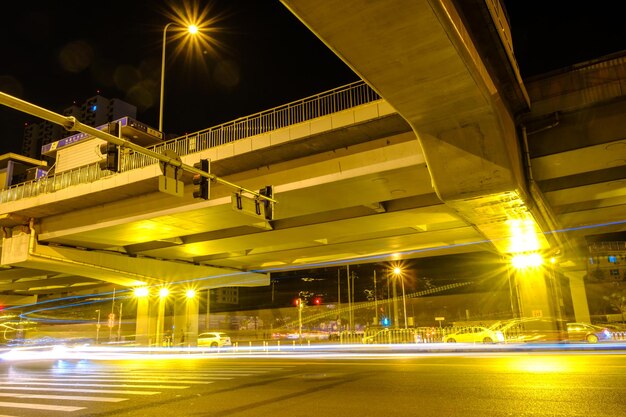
[[141, 291], [193, 29], [530, 260], [164, 292], [190, 293]]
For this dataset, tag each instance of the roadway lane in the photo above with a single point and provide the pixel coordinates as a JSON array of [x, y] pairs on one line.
[[422, 384]]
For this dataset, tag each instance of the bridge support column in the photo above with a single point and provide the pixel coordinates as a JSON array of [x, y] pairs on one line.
[[186, 313], [145, 322], [579, 295], [539, 296]]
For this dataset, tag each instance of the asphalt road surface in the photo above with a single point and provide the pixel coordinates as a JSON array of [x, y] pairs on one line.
[[421, 384]]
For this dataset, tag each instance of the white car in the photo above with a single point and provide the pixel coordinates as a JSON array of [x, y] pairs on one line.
[[474, 334], [213, 339]]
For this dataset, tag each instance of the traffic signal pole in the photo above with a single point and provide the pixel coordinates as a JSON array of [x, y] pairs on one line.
[[70, 123]]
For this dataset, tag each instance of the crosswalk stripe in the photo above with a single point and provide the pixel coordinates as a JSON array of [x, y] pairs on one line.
[[62, 384], [160, 376], [99, 391], [76, 380], [41, 406], [63, 397], [186, 371]]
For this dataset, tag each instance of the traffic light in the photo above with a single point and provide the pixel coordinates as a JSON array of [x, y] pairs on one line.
[[201, 183], [317, 301], [111, 161], [111, 151], [268, 191]]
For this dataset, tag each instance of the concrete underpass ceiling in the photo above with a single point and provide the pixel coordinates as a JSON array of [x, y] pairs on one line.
[[420, 57], [336, 206]]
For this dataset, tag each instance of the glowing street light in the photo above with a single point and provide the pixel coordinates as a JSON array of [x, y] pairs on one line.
[[397, 273], [141, 292], [192, 30], [163, 293], [527, 260]]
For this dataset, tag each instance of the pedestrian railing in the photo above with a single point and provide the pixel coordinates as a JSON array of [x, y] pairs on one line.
[[323, 104]]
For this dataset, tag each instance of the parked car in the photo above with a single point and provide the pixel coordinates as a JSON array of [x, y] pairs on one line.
[[474, 334], [532, 330], [585, 332], [213, 339]]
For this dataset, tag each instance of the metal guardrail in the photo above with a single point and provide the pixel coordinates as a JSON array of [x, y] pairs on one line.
[[323, 104]]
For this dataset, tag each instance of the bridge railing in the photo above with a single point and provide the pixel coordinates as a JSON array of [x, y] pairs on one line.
[[323, 104]]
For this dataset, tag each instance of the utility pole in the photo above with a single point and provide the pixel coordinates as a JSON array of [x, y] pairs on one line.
[[339, 299], [112, 316], [375, 301], [208, 309], [396, 314], [300, 307], [98, 327], [119, 327], [349, 297]]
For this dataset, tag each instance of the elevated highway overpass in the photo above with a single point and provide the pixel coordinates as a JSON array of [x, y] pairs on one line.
[[442, 150]]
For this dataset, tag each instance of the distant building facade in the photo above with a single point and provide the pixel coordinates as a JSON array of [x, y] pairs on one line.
[[94, 112]]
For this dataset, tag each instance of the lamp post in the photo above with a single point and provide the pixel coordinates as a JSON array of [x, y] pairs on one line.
[[192, 29], [397, 272], [300, 306], [142, 325], [163, 293], [190, 297], [98, 327]]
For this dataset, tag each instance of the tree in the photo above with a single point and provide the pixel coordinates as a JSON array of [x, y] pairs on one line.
[[617, 300]]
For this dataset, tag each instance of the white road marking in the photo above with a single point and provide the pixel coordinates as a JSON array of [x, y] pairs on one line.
[[76, 379], [98, 391], [63, 397], [73, 384], [41, 406]]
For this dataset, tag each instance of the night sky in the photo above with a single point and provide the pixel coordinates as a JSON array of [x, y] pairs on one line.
[[54, 54]]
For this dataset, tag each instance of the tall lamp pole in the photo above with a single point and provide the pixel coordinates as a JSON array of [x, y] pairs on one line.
[[193, 29], [163, 76], [397, 272], [98, 327]]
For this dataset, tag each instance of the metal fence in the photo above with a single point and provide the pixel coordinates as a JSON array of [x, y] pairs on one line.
[[323, 104]]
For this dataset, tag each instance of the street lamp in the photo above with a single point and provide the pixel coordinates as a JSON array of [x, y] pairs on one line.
[[163, 293], [142, 325], [98, 327], [191, 29], [190, 296], [397, 272]]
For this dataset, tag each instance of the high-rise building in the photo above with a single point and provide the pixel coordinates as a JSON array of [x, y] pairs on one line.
[[95, 111]]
